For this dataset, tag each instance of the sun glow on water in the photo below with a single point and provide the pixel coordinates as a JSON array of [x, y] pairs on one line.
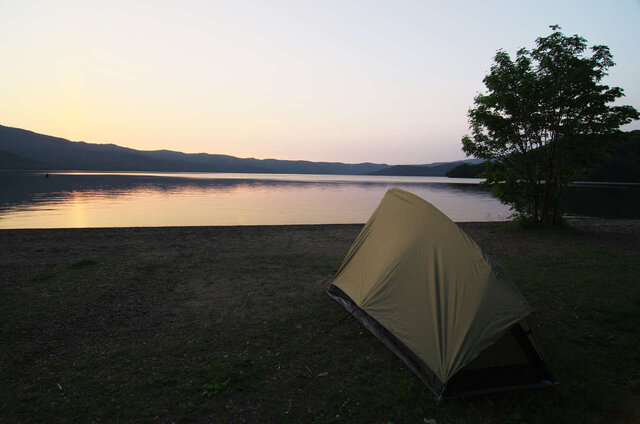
[[117, 200]]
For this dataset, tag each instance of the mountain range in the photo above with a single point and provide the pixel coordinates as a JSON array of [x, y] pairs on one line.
[[22, 149]]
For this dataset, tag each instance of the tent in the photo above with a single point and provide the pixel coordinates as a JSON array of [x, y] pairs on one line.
[[416, 281]]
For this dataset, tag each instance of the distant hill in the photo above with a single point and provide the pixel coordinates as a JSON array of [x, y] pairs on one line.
[[12, 161], [438, 169], [22, 149], [467, 170], [619, 161]]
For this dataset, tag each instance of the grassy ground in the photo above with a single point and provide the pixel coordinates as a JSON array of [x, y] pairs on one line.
[[228, 325]]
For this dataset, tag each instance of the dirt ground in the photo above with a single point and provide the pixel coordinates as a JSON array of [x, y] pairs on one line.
[[189, 323], [57, 246]]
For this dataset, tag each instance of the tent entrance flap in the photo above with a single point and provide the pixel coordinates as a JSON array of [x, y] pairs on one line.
[[509, 364]]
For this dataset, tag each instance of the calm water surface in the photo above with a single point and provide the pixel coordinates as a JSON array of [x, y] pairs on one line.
[[82, 199]]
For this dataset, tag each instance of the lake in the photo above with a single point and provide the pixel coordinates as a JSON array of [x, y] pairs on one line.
[[116, 199], [138, 199]]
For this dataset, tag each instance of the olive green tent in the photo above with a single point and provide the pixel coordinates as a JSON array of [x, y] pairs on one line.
[[428, 292]]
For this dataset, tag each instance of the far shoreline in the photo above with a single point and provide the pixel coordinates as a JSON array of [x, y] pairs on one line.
[[572, 221]]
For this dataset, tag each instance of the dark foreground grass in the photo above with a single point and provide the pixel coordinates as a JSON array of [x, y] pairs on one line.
[[228, 325]]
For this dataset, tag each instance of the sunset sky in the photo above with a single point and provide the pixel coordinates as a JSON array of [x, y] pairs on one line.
[[349, 81]]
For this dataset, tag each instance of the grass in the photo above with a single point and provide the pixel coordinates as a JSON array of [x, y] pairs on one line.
[[233, 329]]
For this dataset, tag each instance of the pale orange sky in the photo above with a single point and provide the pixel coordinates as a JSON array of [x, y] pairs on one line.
[[341, 81]]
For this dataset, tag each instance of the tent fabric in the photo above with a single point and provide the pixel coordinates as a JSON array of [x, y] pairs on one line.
[[426, 289]]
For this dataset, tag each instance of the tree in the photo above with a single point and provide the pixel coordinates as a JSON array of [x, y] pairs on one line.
[[468, 170], [540, 122]]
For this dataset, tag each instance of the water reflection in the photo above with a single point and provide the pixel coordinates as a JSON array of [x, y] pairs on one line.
[[606, 200], [29, 200]]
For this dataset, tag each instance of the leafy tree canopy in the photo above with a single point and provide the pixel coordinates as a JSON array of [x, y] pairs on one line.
[[542, 120], [468, 170]]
